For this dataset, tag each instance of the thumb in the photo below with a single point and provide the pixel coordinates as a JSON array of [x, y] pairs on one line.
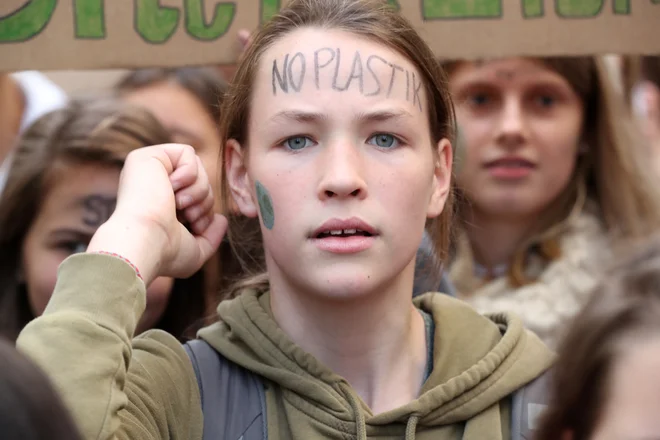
[[195, 250], [210, 239]]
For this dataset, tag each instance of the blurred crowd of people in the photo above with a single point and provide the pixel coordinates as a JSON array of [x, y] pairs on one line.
[[556, 204]]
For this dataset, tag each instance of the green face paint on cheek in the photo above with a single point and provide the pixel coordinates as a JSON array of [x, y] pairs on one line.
[[265, 206]]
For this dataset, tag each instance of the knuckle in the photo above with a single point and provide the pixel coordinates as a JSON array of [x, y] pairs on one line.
[[188, 149]]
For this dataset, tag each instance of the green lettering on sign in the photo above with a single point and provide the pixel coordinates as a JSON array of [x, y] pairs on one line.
[[532, 8], [622, 7], [27, 21], [394, 3], [90, 22], [579, 8], [268, 9], [196, 25], [443, 9], [155, 23]]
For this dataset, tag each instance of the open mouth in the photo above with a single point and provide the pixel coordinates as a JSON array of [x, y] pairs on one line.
[[510, 163], [344, 233]]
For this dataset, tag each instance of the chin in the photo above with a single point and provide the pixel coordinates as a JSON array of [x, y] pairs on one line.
[[344, 288], [509, 205]]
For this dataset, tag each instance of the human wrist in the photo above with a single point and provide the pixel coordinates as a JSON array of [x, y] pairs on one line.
[[137, 245]]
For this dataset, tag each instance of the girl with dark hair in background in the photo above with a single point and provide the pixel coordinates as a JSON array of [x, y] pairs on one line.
[[61, 187]]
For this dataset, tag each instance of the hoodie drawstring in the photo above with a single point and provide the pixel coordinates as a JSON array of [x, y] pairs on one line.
[[411, 428], [360, 424]]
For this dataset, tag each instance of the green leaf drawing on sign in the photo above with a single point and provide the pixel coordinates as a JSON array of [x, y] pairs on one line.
[[443, 9], [532, 8], [155, 23], [27, 21], [579, 8], [195, 23], [89, 18], [268, 9]]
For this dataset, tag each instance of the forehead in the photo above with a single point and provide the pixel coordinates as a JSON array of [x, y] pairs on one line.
[[506, 71], [76, 188], [173, 105], [336, 70]]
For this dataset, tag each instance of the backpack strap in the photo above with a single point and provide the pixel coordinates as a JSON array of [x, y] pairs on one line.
[[527, 405], [233, 398]]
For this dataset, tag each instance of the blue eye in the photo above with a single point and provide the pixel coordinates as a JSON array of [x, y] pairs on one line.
[[297, 142], [383, 140]]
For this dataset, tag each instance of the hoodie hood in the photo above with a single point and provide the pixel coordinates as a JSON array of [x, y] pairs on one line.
[[478, 361]]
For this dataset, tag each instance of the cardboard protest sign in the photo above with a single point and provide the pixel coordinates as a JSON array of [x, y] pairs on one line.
[[81, 34]]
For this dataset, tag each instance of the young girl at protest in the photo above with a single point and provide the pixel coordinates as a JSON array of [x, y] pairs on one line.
[[605, 384], [62, 186], [551, 178], [340, 155]]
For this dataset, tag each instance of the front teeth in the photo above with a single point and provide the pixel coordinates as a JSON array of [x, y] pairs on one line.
[[344, 231]]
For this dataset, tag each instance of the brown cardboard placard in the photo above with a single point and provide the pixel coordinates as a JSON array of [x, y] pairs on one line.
[[85, 34]]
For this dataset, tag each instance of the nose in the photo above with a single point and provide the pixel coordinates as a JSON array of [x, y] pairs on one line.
[[341, 171], [512, 131]]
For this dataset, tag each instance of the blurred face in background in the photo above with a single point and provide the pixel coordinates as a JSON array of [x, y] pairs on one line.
[[633, 399], [521, 125], [78, 201], [188, 122]]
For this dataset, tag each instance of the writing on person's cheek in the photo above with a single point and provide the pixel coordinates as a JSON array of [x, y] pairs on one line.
[[289, 73], [265, 206], [97, 209]]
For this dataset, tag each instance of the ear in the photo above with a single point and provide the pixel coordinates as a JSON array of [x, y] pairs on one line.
[[653, 106], [441, 178], [646, 102], [238, 178]]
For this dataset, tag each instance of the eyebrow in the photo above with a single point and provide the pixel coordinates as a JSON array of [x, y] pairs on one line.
[[481, 79], [299, 116], [79, 233], [375, 116], [384, 115]]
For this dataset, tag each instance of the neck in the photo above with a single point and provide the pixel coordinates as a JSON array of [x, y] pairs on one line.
[[495, 240], [11, 108], [376, 342]]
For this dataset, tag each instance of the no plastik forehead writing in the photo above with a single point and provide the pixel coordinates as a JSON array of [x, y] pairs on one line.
[[290, 71]]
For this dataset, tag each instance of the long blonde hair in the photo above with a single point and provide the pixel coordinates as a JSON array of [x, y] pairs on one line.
[[371, 19], [614, 171]]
